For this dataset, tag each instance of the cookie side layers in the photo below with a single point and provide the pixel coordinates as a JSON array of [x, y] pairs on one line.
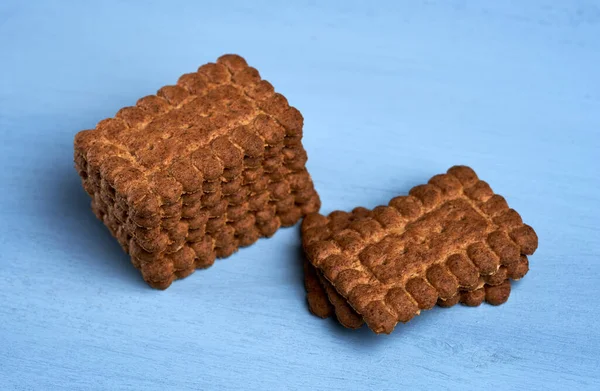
[[421, 247], [197, 170]]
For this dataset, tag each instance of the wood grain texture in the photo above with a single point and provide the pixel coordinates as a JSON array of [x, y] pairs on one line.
[[391, 94]]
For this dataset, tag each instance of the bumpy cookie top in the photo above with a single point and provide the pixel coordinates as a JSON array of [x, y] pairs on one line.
[[195, 131], [443, 236]]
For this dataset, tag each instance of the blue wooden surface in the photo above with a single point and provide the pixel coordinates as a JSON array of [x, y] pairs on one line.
[[392, 94]]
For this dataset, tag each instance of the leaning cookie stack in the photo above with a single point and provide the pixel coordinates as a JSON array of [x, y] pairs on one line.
[[451, 240], [198, 170]]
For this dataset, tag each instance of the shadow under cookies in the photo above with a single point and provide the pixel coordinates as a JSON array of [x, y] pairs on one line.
[[66, 208]]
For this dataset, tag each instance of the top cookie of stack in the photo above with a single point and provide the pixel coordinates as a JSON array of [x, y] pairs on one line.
[[197, 170]]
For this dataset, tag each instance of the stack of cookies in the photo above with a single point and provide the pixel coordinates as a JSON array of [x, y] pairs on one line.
[[216, 161], [198, 170], [450, 240]]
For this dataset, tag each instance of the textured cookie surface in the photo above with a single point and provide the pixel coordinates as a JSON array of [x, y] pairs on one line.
[[324, 300], [441, 238], [319, 296], [318, 303], [344, 313], [198, 170]]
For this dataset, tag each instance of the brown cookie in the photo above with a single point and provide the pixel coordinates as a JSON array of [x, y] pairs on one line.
[[345, 314], [439, 239], [494, 289], [318, 303], [197, 170]]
